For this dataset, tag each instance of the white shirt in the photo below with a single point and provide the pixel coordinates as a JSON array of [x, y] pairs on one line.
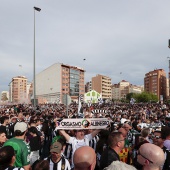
[[76, 143]]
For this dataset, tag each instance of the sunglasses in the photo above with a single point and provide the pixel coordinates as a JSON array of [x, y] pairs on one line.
[[156, 137], [138, 153]]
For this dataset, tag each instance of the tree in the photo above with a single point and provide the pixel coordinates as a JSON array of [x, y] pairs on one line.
[[142, 97], [129, 96]]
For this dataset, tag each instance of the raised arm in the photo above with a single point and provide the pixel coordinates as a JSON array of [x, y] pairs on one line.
[[66, 135], [95, 132]]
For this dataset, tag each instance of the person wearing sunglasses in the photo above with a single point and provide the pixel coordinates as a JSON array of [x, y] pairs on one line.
[[157, 140], [151, 157], [116, 143]]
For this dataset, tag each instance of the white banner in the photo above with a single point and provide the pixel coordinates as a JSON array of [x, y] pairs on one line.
[[92, 123]]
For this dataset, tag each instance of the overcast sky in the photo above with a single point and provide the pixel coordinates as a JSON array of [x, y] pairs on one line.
[[114, 36]]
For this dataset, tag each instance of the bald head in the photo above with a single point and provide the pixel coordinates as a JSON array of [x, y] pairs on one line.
[[84, 158], [123, 131], [151, 156]]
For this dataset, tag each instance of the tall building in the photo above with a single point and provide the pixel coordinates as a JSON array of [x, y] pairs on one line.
[[102, 84], [155, 82], [136, 89], [59, 80], [115, 91], [120, 90], [18, 90], [124, 89]]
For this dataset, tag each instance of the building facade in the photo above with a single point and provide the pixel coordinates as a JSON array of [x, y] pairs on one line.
[[102, 84], [120, 90], [59, 80], [115, 91], [155, 82], [18, 90], [136, 89]]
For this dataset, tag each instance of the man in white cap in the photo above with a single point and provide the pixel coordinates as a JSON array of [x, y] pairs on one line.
[[22, 149]]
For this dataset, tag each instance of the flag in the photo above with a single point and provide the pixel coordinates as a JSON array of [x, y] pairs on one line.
[[100, 101], [132, 101], [80, 108], [37, 9]]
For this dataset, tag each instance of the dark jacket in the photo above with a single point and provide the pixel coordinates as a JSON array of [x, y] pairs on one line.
[[108, 156]]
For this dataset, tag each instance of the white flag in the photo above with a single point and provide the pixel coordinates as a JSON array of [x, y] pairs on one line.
[[80, 109]]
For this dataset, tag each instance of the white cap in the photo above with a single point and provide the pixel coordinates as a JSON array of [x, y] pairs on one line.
[[22, 126]]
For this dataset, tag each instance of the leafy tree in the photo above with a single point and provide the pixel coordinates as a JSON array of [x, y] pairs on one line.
[[129, 96], [142, 97]]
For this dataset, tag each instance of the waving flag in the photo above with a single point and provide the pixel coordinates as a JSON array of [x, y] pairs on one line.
[[80, 108]]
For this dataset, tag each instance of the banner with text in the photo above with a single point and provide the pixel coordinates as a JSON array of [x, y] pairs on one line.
[[91, 123]]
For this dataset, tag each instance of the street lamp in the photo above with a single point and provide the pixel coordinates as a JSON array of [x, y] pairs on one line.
[[34, 91]]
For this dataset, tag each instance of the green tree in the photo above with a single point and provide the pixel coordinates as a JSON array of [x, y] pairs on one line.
[[129, 96], [142, 97]]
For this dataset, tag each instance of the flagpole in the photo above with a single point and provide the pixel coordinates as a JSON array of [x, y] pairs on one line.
[[67, 104], [34, 91]]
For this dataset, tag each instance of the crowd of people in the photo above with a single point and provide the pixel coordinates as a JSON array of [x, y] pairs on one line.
[[138, 137]]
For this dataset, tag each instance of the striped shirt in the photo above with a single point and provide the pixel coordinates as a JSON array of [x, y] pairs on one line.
[[59, 165], [68, 151], [93, 142]]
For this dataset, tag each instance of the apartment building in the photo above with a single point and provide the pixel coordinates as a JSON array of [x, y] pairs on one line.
[[18, 90], [102, 84], [136, 89], [155, 82], [124, 87], [59, 80], [115, 91], [120, 90]]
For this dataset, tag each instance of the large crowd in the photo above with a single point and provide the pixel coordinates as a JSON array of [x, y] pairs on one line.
[[138, 137]]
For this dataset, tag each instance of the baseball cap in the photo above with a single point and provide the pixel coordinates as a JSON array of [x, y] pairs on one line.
[[56, 147], [22, 126]]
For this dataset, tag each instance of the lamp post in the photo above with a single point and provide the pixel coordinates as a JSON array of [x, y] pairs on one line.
[[34, 91]]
